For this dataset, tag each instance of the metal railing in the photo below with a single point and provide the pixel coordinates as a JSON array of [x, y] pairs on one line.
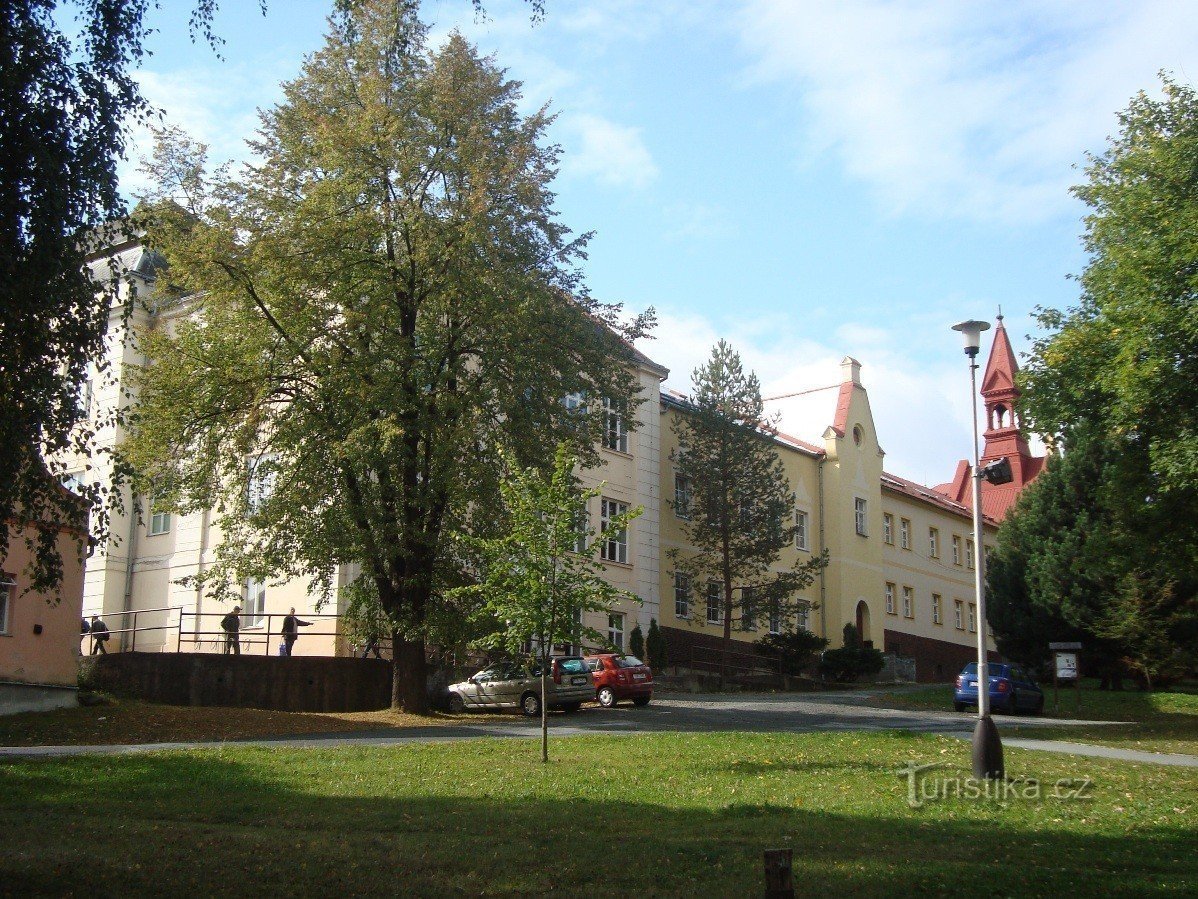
[[739, 663]]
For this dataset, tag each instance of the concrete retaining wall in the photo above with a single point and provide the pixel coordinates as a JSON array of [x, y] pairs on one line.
[[295, 684], [17, 697]]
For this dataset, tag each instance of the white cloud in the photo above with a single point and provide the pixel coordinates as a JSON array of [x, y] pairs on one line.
[[921, 411], [611, 153], [691, 221], [977, 110]]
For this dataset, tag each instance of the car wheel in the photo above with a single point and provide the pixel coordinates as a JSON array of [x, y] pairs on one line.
[[571, 707], [457, 705], [606, 697], [530, 705], [960, 706], [640, 700]]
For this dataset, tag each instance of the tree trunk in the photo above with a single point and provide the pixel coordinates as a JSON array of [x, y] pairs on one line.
[[545, 709], [409, 682], [727, 633]]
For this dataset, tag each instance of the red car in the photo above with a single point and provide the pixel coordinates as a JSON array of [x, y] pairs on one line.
[[619, 677]]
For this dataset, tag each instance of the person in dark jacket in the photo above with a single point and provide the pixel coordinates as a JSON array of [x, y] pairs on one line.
[[231, 625], [84, 630], [99, 634], [290, 631]]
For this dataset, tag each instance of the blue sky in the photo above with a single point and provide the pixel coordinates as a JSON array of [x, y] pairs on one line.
[[807, 180]]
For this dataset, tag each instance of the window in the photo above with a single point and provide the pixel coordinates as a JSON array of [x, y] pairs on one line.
[[255, 601], [973, 618], [581, 523], [682, 496], [575, 403], [260, 481], [968, 553], [959, 614], [775, 618], [908, 602], [615, 543], [890, 599], [682, 595], [888, 528], [615, 630], [86, 392], [801, 530], [615, 433], [956, 549], [160, 522], [859, 516], [8, 591], [715, 602], [936, 609], [933, 543], [905, 533], [73, 481], [748, 609], [804, 616]]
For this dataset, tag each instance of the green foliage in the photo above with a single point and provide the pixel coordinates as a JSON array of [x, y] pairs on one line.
[[636, 642], [655, 647], [851, 662], [795, 648], [371, 312], [741, 513]]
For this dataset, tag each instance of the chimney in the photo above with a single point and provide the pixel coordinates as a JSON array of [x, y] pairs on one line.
[[850, 370]]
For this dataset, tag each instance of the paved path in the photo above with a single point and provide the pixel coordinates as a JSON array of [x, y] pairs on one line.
[[676, 713]]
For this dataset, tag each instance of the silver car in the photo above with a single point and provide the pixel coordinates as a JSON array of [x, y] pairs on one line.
[[518, 685]]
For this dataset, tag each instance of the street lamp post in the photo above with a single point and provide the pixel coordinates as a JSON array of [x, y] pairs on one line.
[[987, 746]]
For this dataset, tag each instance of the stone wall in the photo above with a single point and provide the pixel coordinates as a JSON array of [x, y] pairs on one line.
[[936, 661], [295, 684]]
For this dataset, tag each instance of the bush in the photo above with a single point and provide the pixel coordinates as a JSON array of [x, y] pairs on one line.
[[795, 649], [636, 642], [849, 663], [655, 647]]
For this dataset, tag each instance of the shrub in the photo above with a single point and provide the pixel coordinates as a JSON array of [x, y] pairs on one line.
[[655, 646], [794, 648], [636, 642]]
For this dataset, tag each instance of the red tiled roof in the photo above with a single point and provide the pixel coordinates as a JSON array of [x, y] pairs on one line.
[[841, 422]]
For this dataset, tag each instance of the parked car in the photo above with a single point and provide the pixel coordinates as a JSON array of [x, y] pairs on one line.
[[618, 676], [518, 685], [1011, 689]]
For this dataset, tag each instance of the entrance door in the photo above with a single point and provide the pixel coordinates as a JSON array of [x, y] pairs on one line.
[[863, 622]]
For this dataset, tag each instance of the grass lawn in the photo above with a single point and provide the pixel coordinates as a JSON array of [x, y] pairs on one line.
[[130, 721], [662, 814], [1163, 721]]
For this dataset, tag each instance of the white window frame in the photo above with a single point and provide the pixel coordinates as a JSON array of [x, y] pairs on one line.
[[253, 609], [615, 429], [861, 516], [682, 496], [615, 543], [581, 525], [969, 554], [575, 403], [908, 602], [801, 527], [682, 595], [933, 543], [260, 484], [160, 523], [615, 629], [936, 609], [715, 602], [959, 614], [775, 624], [888, 528], [804, 613], [890, 607], [973, 618], [905, 533], [956, 549], [8, 593]]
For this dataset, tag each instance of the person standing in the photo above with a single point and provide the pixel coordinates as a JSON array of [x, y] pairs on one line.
[[231, 625], [84, 630], [290, 632], [99, 635]]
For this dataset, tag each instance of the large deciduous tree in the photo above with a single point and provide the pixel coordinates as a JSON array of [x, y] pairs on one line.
[[369, 312], [740, 514]]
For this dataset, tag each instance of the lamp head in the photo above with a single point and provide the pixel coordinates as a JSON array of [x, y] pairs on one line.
[[971, 332]]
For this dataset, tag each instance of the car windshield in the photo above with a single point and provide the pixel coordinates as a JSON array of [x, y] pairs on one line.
[[628, 662]]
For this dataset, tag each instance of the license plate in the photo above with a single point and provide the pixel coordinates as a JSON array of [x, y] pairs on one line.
[[638, 677], [973, 683], [578, 681]]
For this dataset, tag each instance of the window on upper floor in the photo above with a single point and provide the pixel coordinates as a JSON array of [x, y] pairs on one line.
[[860, 516], [890, 610], [936, 619], [956, 549], [801, 539], [261, 477], [933, 543], [968, 553], [715, 602], [682, 595], [581, 523], [973, 618], [804, 615], [905, 533], [775, 618], [615, 542], [908, 602], [615, 630], [615, 429], [682, 496], [160, 523], [888, 528], [959, 614]]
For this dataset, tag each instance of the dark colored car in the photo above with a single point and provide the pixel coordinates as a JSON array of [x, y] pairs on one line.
[[618, 676], [1011, 689], [518, 685]]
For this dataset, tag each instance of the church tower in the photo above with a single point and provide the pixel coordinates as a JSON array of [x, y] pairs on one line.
[[1003, 435]]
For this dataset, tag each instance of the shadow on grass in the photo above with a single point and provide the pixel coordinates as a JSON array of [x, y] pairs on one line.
[[205, 823]]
